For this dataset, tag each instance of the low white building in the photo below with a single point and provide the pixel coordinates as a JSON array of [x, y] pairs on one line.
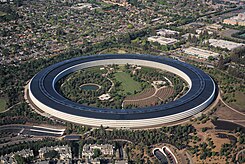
[[224, 44], [186, 36], [162, 40], [88, 150], [201, 53], [199, 31], [164, 32], [63, 151], [104, 97], [10, 158], [214, 27], [237, 20], [81, 6]]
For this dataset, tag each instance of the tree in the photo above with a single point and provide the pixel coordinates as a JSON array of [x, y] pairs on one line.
[[211, 58], [19, 159], [51, 154], [97, 153]]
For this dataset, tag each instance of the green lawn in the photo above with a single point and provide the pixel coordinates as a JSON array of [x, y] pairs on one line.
[[240, 103], [148, 69], [2, 13], [128, 84], [2, 104]]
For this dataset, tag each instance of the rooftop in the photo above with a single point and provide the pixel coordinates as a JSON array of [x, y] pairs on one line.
[[200, 52], [162, 40], [224, 44]]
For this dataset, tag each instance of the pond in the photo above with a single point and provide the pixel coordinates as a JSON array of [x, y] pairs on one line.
[[225, 125], [243, 35], [89, 87], [230, 137]]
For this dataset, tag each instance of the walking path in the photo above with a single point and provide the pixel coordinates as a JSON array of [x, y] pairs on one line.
[[112, 84], [241, 151], [145, 98], [230, 106], [10, 107]]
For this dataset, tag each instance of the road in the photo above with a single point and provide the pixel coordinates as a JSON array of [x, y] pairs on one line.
[[189, 157], [16, 134], [33, 130], [19, 140], [241, 151]]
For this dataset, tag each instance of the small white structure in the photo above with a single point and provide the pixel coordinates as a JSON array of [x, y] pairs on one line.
[[159, 82], [104, 97], [225, 44], [199, 31], [138, 68], [164, 32], [81, 6], [186, 36], [162, 40], [200, 52]]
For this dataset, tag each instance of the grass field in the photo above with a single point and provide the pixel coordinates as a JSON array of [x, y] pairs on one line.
[[240, 103], [148, 69], [128, 84], [2, 104], [2, 14]]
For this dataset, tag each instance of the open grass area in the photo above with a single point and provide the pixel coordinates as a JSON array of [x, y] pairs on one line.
[[240, 103], [148, 69], [2, 13], [128, 84], [121, 51], [3, 104], [114, 51]]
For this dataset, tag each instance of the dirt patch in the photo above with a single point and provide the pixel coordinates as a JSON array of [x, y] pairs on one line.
[[204, 136], [228, 114], [149, 97], [215, 159]]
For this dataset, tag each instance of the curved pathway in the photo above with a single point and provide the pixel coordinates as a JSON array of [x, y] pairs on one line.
[[112, 84], [230, 106], [180, 92], [154, 94], [10, 107], [241, 151]]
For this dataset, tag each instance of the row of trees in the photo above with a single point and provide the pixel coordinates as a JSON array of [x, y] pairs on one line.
[[35, 146], [176, 135], [21, 113]]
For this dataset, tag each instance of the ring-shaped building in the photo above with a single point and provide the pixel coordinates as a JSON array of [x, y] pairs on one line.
[[43, 94]]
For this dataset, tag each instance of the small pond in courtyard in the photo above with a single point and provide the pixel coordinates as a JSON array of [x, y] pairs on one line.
[[90, 87]]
